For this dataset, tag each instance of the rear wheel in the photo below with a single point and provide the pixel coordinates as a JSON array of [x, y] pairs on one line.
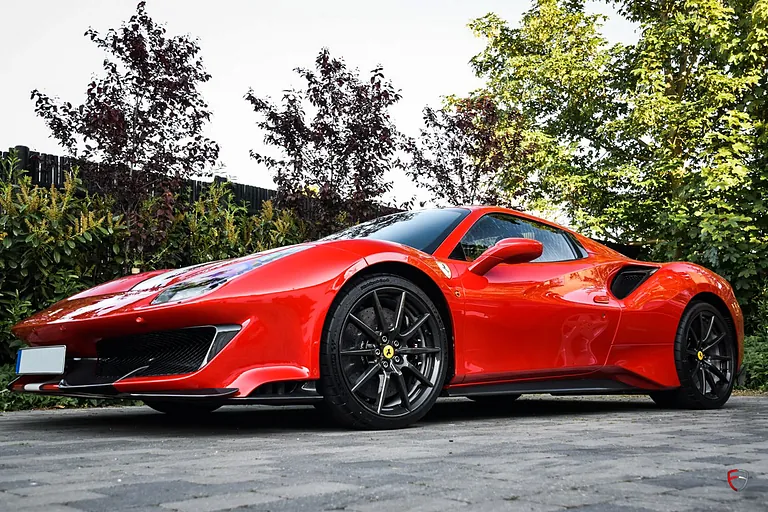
[[181, 408], [383, 355], [705, 358]]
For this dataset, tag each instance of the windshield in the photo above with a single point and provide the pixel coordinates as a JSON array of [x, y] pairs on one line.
[[424, 230]]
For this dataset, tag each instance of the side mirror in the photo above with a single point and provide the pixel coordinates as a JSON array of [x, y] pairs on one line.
[[508, 250]]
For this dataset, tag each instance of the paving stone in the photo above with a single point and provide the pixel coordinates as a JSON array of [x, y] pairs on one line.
[[220, 502], [411, 503], [618, 454]]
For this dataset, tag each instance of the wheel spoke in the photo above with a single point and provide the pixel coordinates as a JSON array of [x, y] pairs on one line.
[[696, 341], [705, 337], [718, 357], [701, 330], [416, 373], [417, 351], [402, 390], [702, 381], [365, 328], [715, 342], [383, 385], [399, 313], [359, 352], [710, 380], [379, 311], [713, 369], [693, 353], [413, 328], [696, 368], [369, 373]]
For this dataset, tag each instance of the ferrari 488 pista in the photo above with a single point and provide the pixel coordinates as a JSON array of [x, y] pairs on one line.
[[374, 323]]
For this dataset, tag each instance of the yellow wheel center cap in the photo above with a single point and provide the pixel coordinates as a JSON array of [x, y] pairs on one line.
[[388, 351], [700, 355]]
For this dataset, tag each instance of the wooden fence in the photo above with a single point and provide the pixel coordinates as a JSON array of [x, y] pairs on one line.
[[46, 170]]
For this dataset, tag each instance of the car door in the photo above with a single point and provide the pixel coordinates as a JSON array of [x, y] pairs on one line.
[[551, 316]]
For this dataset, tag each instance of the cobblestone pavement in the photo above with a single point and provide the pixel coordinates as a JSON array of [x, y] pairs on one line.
[[539, 453]]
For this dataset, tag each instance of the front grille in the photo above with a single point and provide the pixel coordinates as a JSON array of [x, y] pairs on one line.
[[157, 353]]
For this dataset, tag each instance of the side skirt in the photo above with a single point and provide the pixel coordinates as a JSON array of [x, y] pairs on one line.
[[555, 387]]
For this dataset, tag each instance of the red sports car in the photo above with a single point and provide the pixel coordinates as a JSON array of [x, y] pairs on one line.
[[372, 324]]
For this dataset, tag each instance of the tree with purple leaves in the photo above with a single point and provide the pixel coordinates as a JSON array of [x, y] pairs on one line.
[[332, 163], [141, 126]]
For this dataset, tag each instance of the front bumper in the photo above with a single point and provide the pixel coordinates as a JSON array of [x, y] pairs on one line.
[[209, 362], [60, 388], [274, 393]]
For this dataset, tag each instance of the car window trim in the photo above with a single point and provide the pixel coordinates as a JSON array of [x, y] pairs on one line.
[[571, 240]]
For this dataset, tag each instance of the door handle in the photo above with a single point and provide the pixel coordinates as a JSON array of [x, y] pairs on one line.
[[601, 299]]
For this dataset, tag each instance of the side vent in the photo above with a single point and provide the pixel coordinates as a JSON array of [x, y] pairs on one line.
[[629, 278]]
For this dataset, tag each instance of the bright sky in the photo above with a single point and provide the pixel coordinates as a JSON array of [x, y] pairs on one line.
[[424, 46]]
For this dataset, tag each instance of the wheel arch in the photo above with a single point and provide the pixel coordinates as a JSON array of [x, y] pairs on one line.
[[719, 304], [423, 281]]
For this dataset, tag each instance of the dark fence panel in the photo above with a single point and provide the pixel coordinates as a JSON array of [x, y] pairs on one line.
[[46, 170]]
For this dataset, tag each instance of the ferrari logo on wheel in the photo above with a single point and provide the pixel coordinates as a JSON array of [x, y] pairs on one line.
[[700, 355], [388, 351]]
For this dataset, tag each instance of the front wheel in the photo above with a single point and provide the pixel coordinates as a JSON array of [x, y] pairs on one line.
[[383, 355], [705, 358]]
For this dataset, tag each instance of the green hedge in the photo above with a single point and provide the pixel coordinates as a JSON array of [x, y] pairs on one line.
[[54, 243], [756, 363]]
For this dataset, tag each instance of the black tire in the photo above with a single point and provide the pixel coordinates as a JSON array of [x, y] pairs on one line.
[[705, 359], [378, 372], [181, 409], [494, 400]]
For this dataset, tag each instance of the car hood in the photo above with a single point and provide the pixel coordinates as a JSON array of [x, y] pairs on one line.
[[216, 270]]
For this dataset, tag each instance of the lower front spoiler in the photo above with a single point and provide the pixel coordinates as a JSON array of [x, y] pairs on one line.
[[305, 394]]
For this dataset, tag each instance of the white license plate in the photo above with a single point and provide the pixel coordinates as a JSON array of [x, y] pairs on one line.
[[41, 360]]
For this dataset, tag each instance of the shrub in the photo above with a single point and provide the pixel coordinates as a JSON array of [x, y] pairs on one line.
[[53, 243], [756, 362], [756, 347], [215, 227]]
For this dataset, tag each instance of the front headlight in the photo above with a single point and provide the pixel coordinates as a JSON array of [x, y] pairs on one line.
[[209, 281], [188, 290]]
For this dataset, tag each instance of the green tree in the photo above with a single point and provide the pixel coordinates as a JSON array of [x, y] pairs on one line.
[[661, 143]]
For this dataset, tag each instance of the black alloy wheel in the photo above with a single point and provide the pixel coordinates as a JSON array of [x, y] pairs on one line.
[[705, 358], [383, 357]]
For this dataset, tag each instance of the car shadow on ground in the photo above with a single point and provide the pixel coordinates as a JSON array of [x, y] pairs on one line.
[[263, 419]]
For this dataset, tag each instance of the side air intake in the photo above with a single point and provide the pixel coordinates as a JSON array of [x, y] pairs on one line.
[[629, 278]]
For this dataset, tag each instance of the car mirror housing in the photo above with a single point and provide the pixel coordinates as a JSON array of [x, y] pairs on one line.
[[507, 250]]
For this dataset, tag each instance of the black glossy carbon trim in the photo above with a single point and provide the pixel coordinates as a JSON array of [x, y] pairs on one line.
[[282, 393], [185, 394], [629, 278], [570, 386], [109, 391]]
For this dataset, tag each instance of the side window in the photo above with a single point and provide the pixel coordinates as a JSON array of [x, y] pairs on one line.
[[497, 226]]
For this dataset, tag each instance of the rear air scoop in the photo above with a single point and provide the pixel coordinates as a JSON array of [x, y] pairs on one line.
[[629, 278]]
